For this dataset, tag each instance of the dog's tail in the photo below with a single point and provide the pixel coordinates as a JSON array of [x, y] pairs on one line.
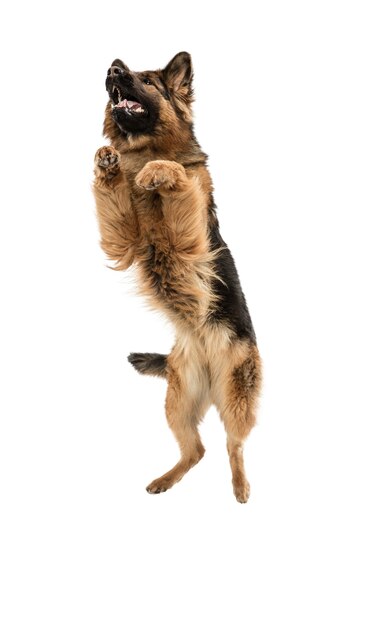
[[149, 363]]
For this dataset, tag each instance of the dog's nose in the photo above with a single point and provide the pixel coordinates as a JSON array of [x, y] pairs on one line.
[[114, 70]]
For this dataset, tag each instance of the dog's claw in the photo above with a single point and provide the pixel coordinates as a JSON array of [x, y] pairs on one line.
[[156, 487]]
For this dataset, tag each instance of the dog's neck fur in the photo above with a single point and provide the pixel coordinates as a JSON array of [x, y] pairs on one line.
[[177, 144]]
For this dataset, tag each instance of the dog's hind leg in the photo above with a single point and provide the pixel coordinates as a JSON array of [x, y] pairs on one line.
[[187, 400], [238, 387]]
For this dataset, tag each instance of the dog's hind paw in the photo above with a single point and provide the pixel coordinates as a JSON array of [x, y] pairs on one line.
[[159, 485], [242, 491]]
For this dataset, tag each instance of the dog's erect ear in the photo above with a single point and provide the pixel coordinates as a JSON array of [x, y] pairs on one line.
[[120, 64], [178, 74]]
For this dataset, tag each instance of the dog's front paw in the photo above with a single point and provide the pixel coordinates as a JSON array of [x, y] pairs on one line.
[[107, 162], [162, 176]]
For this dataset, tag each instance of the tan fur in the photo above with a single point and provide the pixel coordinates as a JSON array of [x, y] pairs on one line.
[[213, 368], [152, 199]]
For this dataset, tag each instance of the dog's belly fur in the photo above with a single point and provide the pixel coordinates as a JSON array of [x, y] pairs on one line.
[[209, 360], [200, 353]]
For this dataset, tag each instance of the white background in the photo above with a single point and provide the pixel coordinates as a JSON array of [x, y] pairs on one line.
[[282, 111]]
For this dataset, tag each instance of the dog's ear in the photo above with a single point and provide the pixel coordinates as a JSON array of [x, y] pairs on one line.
[[178, 75]]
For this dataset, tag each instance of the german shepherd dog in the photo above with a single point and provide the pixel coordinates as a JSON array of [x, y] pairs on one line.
[[156, 210]]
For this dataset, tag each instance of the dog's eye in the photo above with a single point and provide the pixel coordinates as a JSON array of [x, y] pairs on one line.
[[146, 81]]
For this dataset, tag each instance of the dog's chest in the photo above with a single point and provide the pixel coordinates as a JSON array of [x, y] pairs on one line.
[[165, 278], [170, 282]]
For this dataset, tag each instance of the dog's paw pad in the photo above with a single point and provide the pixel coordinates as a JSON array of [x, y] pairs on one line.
[[107, 157]]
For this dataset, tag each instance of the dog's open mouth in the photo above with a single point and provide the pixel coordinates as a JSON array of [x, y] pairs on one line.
[[127, 103]]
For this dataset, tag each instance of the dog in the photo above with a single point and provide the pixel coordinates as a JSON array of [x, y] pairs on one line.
[[155, 209]]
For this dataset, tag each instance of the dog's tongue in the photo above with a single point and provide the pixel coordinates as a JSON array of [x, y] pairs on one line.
[[130, 104]]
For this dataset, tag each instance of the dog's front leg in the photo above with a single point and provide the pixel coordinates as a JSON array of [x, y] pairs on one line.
[[117, 220], [184, 205]]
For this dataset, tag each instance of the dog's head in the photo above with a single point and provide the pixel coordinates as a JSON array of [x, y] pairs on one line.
[[145, 106]]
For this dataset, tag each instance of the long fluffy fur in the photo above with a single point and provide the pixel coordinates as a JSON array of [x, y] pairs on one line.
[[155, 210]]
